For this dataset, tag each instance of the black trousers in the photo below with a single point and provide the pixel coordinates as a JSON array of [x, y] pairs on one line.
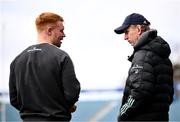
[[158, 117]]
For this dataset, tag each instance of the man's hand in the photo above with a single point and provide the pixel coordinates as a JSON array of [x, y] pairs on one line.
[[73, 108]]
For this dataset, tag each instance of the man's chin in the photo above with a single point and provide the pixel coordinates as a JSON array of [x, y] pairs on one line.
[[58, 45]]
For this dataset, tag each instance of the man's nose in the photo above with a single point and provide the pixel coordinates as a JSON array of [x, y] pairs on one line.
[[125, 37]]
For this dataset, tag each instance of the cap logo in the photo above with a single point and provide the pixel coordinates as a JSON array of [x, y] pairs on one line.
[[145, 22]]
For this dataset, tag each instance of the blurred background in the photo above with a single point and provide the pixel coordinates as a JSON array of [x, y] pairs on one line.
[[99, 55]]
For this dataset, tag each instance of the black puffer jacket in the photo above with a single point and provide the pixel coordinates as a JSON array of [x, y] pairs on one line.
[[149, 87]]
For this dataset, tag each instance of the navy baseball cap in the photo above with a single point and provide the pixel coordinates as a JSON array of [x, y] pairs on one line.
[[132, 19]]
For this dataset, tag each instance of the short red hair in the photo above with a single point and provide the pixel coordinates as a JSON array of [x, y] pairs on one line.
[[47, 18]]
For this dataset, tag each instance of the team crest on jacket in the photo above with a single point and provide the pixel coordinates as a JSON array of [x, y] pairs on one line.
[[136, 68]]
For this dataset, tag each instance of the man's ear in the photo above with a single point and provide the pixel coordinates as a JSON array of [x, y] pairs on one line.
[[139, 29], [49, 31]]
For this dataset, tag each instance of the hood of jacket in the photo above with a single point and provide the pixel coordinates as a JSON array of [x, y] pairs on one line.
[[150, 41]]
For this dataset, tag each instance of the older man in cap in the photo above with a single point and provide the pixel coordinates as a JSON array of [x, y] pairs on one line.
[[148, 91]]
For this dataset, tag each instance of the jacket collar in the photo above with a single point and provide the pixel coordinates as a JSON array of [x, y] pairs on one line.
[[144, 39]]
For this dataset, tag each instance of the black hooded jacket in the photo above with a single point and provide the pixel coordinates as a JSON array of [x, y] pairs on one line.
[[149, 87], [43, 84]]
